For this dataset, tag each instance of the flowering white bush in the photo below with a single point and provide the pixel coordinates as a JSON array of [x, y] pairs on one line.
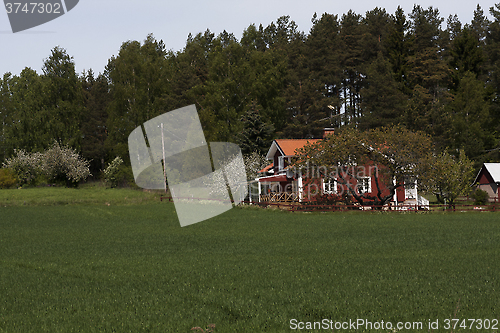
[[25, 165], [64, 163], [56, 164], [254, 162], [111, 171]]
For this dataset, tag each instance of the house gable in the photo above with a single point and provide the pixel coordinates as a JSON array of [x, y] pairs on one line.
[[273, 150], [489, 174], [281, 148], [287, 147], [494, 171], [484, 177], [488, 179]]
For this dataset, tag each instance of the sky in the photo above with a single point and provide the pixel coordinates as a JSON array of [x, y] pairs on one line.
[[95, 29]]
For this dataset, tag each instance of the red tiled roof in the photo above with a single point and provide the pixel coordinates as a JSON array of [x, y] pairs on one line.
[[288, 146]]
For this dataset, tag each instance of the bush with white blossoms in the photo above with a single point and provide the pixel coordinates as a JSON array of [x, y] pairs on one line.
[[111, 172], [58, 163], [254, 162], [64, 163], [25, 165]]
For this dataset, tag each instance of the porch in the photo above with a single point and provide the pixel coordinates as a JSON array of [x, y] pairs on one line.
[[279, 189]]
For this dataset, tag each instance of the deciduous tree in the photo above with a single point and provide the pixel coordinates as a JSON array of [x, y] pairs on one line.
[[389, 155], [138, 83], [448, 177], [63, 107]]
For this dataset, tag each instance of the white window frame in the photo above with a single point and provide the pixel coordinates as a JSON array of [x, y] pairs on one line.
[[281, 163], [410, 186], [364, 185], [329, 186]]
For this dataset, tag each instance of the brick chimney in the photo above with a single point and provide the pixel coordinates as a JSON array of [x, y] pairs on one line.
[[328, 131]]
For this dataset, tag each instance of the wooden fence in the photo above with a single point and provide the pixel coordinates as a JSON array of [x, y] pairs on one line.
[[494, 207], [295, 206]]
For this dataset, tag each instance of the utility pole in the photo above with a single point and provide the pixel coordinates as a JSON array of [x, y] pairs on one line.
[[163, 149]]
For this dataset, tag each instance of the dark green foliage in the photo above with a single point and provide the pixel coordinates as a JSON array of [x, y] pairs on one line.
[[480, 25], [383, 101], [398, 48], [363, 70], [480, 197], [26, 128], [378, 24], [470, 125], [94, 120], [351, 61], [466, 55], [256, 135], [125, 177], [7, 178], [6, 110], [39, 109], [61, 114], [138, 82], [425, 28], [328, 200]]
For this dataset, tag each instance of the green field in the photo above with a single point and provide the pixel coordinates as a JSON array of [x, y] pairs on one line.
[[93, 261]]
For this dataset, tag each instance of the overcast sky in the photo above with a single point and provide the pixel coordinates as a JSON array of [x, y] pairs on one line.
[[94, 30]]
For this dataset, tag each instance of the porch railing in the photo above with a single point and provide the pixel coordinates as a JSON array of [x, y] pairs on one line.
[[280, 197], [423, 202]]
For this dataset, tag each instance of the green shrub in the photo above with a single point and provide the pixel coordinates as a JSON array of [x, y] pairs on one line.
[[125, 176], [121, 176], [480, 197], [111, 173], [7, 178]]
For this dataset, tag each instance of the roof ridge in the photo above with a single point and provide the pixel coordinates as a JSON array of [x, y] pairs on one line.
[[288, 146], [298, 139]]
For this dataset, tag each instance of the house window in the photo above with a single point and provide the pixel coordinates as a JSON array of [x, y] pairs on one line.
[[410, 186], [329, 186], [364, 185], [281, 164]]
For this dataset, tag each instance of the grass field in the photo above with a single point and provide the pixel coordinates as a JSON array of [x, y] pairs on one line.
[[89, 195], [97, 262]]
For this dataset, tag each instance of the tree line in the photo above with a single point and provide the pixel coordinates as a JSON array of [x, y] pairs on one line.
[[360, 71]]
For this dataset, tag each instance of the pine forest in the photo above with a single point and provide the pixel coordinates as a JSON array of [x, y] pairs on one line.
[[418, 70]]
